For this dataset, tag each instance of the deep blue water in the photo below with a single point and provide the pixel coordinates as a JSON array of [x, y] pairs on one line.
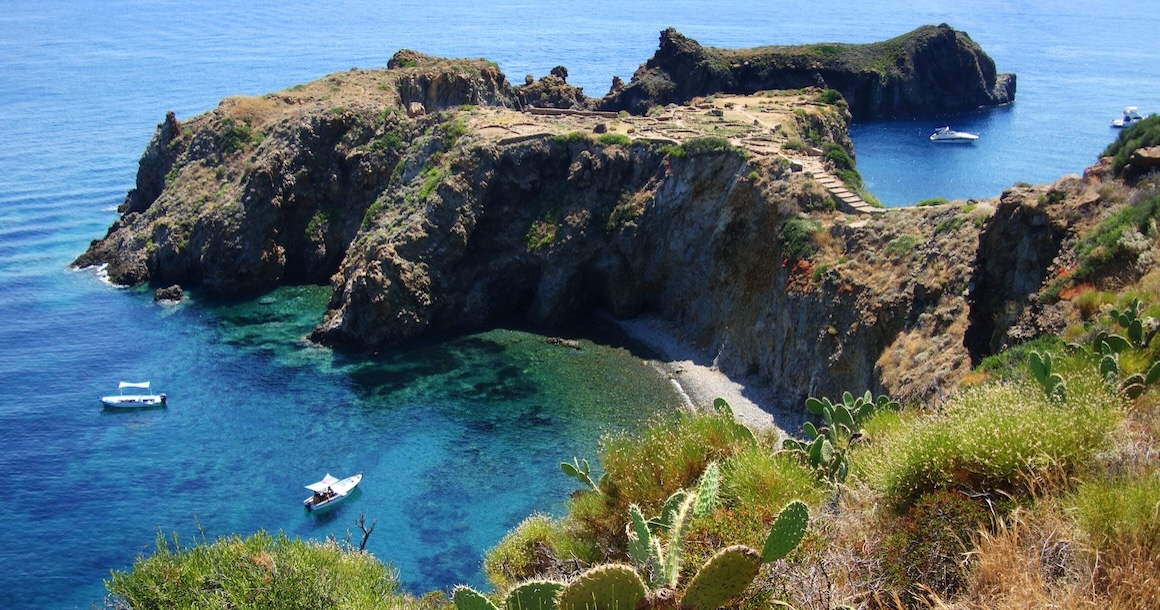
[[459, 440]]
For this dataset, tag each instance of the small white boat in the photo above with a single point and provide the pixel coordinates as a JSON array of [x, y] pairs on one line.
[[1131, 115], [330, 490], [139, 395], [948, 135]]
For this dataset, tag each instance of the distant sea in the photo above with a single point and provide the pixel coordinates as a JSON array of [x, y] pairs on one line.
[[459, 439]]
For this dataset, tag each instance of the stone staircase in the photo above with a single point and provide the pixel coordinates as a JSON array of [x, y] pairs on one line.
[[847, 201]]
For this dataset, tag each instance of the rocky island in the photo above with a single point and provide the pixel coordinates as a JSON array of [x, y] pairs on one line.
[[717, 190]]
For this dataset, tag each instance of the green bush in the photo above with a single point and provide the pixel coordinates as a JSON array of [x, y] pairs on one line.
[[534, 548], [1007, 437], [1141, 135], [797, 238], [794, 144], [838, 156], [707, 144], [669, 455], [614, 139], [932, 201], [258, 572], [1120, 515], [235, 135], [926, 545], [832, 96], [1105, 245]]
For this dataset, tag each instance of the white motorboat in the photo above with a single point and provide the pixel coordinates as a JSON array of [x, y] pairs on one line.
[[1131, 115], [948, 135], [330, 490], [139, 395]]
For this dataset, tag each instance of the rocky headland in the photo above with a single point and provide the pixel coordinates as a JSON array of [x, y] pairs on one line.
[[934, 69], [435, 197]]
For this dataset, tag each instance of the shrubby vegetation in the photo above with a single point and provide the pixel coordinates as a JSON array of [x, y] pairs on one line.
[[1141, 135]]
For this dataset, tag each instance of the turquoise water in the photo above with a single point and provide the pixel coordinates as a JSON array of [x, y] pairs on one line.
[[459, 439]]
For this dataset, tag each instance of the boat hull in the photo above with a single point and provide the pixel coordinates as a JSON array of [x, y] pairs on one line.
[[133, 402]]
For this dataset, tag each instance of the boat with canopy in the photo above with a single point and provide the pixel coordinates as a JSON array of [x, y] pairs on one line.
[[139, 394], [330, 490]]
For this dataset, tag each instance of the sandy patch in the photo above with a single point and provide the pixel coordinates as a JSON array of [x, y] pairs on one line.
[[695, 376]]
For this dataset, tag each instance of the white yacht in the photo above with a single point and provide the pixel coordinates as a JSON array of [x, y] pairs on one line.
[[1131, 116], [139, 395], [948, 135]]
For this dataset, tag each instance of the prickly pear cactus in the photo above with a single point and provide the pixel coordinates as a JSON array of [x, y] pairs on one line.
[[725, 576], [534, 595], [467, 598], [787, 531], [608, 587]]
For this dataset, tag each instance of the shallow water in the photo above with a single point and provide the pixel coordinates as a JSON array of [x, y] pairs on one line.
[[458, 439]]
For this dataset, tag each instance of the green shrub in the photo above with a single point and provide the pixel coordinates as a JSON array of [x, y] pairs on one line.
[[258, 572], [950, 224], [707, 144], [832, 96], [926, 545], [794, 144], [675, 151], [1007, 437], [453, 129], [1141, 135], [534, 548], [932, 201], [902, 245], [541, 234], [797, 238], [571, 137], [1105, 246], [614, 139], [235, 135], [1120, 515], [667, 456], [432, 175], [838, 156]]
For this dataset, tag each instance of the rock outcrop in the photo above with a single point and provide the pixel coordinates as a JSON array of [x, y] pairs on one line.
[[454, 219], [932, 70]]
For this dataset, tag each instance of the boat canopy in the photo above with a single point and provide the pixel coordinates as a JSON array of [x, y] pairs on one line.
[[144, 385], [321, 486]]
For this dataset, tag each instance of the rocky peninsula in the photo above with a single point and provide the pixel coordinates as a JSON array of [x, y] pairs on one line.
[[435, 197]]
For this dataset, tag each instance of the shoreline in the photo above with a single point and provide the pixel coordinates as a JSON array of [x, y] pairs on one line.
[[696, 378]]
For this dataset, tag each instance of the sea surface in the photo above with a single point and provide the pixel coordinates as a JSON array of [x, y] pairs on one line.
[[458, 439]]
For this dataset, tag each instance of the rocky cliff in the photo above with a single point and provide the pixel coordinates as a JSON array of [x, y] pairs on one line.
[[932, 70], [712, 215]]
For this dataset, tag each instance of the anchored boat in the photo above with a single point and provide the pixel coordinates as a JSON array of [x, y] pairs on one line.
[[330, 490], [948, 135], [139, 395]]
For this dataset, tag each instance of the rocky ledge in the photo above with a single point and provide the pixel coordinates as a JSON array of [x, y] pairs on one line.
[[432, 205]]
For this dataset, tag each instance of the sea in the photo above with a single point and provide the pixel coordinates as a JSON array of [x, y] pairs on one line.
[[458, 438]]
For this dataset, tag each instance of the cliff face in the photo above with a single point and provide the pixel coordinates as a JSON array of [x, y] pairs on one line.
[[448, 221], [932, 70]]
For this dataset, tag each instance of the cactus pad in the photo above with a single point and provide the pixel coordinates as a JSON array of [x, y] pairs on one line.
[[467, 598], [534, 595], [607, 587], [725, 576], [787, 531]]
